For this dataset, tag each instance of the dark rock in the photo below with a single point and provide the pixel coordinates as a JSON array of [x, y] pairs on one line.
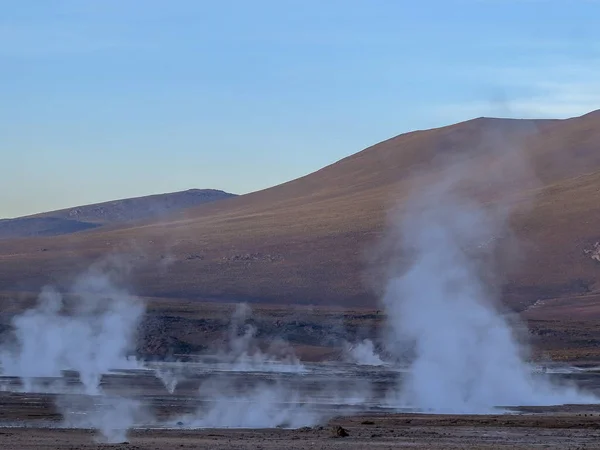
[[340, 431]]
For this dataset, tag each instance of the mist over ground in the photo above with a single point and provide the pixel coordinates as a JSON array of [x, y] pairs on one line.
[[447, 345]]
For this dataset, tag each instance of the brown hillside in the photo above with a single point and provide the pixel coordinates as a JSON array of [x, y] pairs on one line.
[[308, 241]]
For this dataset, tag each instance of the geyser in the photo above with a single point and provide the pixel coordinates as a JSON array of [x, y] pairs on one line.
[[91, 335], [466, 357]]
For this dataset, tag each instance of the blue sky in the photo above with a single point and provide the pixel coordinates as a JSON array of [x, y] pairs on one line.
[[117, 98]]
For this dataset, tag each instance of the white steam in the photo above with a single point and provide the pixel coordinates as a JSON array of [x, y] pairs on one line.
[[264, 406], [91, 335], [92, 339], [169, 377], [111, 416], [242, 352], [274, 403], [364, 353], [467, 358]]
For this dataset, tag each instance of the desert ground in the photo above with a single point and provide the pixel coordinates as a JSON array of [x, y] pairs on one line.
[[561, 431], [175, 401], [35, 420]]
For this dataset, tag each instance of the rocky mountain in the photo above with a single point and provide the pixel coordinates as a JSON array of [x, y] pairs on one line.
[[87, 217]]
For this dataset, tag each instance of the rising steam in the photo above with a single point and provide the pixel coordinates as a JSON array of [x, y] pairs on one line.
[[91, 336], [92, 339], [111, 416], [363, 353], [243, 353], [466, 356]]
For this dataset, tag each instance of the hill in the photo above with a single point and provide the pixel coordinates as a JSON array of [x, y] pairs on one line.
[[86, 217], [42, 226], [311, 240]]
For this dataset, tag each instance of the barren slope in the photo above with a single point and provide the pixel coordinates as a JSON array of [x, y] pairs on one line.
[[308, 241]]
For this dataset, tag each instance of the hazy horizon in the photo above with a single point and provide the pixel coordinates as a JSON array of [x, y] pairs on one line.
[[104, 101]]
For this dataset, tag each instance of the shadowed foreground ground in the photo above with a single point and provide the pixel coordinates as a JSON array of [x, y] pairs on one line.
[[570, 429]]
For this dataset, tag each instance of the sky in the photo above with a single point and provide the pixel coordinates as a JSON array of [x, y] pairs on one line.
[[108, 99]]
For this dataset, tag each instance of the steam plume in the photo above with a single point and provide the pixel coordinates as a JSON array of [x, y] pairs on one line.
[[466, 356], [91, 336], [364, 353], [242, 352]]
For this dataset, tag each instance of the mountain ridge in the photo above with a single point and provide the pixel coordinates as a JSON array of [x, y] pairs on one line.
[[308, 241], [91, 216]]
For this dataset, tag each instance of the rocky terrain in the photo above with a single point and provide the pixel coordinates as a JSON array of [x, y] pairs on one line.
[[571, 429]]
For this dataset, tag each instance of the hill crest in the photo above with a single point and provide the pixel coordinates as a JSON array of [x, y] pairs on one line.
[[306, 241], [87, 217]]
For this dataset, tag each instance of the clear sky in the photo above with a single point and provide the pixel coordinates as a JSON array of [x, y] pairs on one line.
[[106, 99]]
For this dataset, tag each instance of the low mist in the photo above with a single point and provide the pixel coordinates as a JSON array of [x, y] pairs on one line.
[[242, 350], [266, 405]]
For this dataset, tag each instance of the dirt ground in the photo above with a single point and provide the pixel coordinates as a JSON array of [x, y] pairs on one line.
[[558, 428], [573, 429]]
